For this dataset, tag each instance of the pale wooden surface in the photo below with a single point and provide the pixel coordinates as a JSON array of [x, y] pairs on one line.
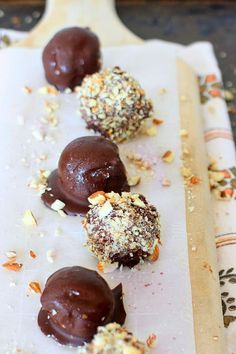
[[208, 321]]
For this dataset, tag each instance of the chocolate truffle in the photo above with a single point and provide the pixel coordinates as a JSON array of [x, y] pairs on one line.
[[70, 55], [114, 339], [75, 302], [113, 103], [86, 165], [122, 229]]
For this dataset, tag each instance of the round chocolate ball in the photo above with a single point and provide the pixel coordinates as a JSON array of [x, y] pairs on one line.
[[75, 302], [113, 103], [87, 165], [122, 229], [70, 55]]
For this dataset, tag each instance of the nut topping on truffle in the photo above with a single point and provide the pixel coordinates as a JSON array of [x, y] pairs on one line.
[[122, 229], [116, 340], [113, 103]]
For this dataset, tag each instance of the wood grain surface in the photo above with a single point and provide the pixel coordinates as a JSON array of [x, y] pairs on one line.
[[208, 322]]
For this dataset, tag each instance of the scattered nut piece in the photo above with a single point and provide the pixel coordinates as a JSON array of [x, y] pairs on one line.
[[228, 95], [29, 219], [151, 131], [35, 287], [194, 180], [62, 213], [107, 267], [168, 156], [157, 121], [50, 256], [32, 254], [97, 198], [48, 90], [183, 133], [134, 181], [186, 172], [11, 254], [151, 341], [166, 182], [155, 255], [14, 266], [27, 89], [162, 91], [137, 160], [57, 205]]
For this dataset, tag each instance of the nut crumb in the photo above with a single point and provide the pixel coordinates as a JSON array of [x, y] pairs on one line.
[[168, 156], [11, 254], [157, 121], [165, 182], [57, 205], [27, 89], [34, 287], [51, 256], [151, 341], [29, 219], [32, 254], [134, 181], [183, 133]]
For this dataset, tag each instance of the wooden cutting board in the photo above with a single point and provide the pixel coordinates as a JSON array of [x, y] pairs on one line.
[[101, 17]]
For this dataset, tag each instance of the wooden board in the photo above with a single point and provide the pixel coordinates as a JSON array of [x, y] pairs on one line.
[[102, 19]]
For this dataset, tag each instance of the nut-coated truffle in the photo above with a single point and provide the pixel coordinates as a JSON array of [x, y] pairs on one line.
[[122, 229], [75, 302], [113, 103], [70, 55]]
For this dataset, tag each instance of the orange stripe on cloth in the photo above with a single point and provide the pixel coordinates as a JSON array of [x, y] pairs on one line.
[[218, 133], [224, 240]]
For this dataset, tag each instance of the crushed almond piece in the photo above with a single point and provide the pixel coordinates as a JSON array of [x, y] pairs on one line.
[[62, 213], [137, 160], [39, 183], [11, 254], [32, 254], [183, 133], [151, 341], [157, 121], [186, 172], [162, 91], [27, 89], [48, 90], [29, 219], [151, 131], [155, 255], [106, 209], [168, 156], [34, 287], [194, 180], [107, 267], [97, 198], [12, 265], [51, 256], [57, 205], [166, 182], [134, 181]]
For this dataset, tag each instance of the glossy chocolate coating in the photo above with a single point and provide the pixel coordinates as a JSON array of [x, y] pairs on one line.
[[70, 55], [75, 302], [87, 165]]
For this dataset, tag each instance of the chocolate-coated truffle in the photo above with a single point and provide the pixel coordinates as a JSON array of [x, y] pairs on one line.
[[86, 165], [122, 229], [114, 339], [75, 302], [113, 103], [70, 55]]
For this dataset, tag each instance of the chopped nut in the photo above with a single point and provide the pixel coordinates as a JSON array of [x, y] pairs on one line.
[[139, 162], [97, 198], [168, 156], [62, 213], [166, 182], [11, 254], [29, 219], [46, 90], [107, 267], [151, 341], [14, 266], [157, 121], [194, 180], [35, 287], [162, 91], [50, 256], [152, 131], [134, 181], [105, 210], [32, 254], [155, 255], [27, 89], [183, 133], [138, 202], [228, 95], [186, 172], [57, 205]]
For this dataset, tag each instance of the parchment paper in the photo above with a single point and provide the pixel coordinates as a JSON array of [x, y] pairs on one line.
[[157, 296]]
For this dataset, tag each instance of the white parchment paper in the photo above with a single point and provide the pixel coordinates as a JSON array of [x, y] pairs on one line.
[[157, 296]]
